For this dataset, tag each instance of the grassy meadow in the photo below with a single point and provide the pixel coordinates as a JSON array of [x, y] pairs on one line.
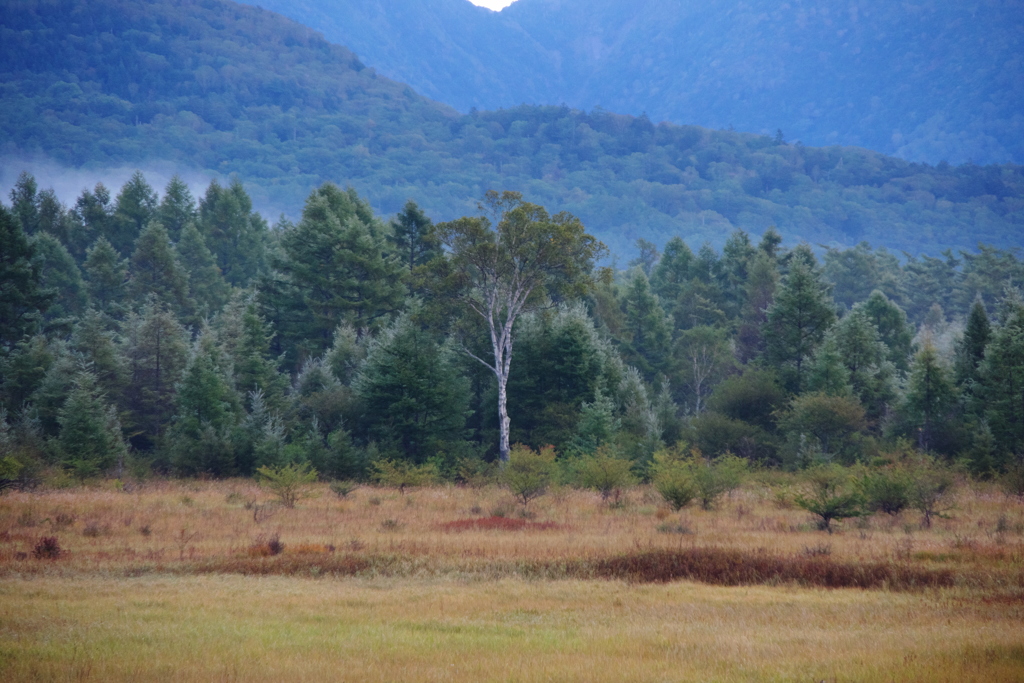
[[194, 580]]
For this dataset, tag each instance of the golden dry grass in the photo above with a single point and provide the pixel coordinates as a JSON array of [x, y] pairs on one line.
[[148, 587], [284, 628]]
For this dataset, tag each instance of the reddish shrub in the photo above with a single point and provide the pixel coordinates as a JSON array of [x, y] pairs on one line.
[[47, 548]]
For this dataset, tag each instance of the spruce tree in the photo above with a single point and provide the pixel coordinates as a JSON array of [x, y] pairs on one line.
[[255, 370], [99, 347], [828, 373], [1002, 377], [22, 297], [970, 350], [762, 280], [893, 329], [53, 216], [414, 398], [90, 440], [872, 375], [798, 319], [90, 219], [931, 396], [206, 411]]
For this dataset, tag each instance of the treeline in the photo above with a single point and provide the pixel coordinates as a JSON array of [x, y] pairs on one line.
[[146, 332], [238, 90]]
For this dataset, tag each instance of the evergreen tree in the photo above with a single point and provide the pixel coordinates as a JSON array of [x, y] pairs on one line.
[[177, 208], [22, 297], [206, 410], [413, 396], [24, 203], [53, 216], [206, 285], [412, 237], [648, 331], [597, 426], [1002, 376], [53, 389], [828, 373], [22, 370], [157, 274], [762, 280], [930, 397], [99, 347], [674, 271], [135, 207], [893, 329], [737, 256], [333, 270], [157, 351], [872, 376], [90, 439], [106, 275], [61, 276], [970, 350], [90, 218], [234, 233], [769, 244], [797, 320], [254, 368]]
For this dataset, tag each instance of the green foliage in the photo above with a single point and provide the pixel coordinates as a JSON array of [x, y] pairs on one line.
[[235, 235], [714, 478], [90, 439], [887, 489], [835, 423], [831, 496], [604, 471], [932, 489], [528, 473], [673, 479], [290, 483], [403, 474], [22, 297]]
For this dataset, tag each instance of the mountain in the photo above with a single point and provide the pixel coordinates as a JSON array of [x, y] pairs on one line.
[[229, 89], [927, 81]]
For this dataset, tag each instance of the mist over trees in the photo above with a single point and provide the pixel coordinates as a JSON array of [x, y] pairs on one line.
[[152, 331]]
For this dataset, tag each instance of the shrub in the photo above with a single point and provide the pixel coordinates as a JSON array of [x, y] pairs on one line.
[[887, 490], [402, 474], [289, 483], [604, 472], [931, 490], [673, 480], [342, 488], [528, 473], [48, 548], [830, 497], [717, 477]]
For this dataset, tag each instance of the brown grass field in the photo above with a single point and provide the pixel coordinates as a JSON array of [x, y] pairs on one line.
[[193, 580]]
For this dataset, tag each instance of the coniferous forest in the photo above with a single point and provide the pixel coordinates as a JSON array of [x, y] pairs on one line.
[[146, 331]]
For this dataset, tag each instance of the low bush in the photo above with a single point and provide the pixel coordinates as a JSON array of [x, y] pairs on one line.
[[528, 473], [48, 548]]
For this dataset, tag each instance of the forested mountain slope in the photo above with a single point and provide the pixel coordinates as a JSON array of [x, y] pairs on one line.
[[928, 81], [231, 89]]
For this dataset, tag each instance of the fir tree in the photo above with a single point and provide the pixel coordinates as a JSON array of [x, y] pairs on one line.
[[90, 440], [414, 398], [865, 356], [254, 368], [674, 271], [762, 280], [90, 218], [53, 216], [1002, 376], [930, 397], [828, 373], [99, 347], [24, 203], [970, 350]]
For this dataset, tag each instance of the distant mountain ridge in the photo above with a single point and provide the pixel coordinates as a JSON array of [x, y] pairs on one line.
[[930, 81], [230, 89]]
